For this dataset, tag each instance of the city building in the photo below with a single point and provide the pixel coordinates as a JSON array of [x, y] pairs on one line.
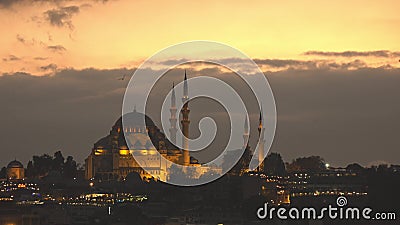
[[15, 170]]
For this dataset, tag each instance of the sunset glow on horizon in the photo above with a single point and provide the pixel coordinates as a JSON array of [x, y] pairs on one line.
[[41, 36]]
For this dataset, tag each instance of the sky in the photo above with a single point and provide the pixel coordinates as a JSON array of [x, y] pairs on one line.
[[333, 67]]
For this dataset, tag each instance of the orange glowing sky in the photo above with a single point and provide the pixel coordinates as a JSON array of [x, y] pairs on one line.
[[122, 33]]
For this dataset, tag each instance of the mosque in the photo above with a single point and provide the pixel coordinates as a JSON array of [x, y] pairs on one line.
[[111, 159]]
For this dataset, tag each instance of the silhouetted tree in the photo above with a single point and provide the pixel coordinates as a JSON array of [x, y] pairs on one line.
[[3, 173], [58, 162], [135, 182], [307, 164], [30, 170], [274, 165], [70, 167], [176, 174], [355, 168], [241, 166], [43, 164], [209, 175]]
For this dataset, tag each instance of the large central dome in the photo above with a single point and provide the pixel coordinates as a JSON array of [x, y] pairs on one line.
[[134, 120], [134, 131]]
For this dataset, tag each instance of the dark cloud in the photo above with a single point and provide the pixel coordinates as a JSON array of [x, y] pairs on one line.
[[48, 113], [28, 41], [171, 62], [85, 5], [379, 53], [275, 63], [356, 64], [62, 16], [10, 3], [310, 64], [57, 48], [21, 39], [40, 58], [51, 67], [7, 3], [11, 58], [342, 115], [283, 63], [279, 63]]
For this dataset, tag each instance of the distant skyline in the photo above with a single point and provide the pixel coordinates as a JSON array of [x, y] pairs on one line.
[[333, 67]]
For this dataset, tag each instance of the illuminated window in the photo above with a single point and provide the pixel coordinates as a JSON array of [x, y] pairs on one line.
[[124, 152], [99, 151]]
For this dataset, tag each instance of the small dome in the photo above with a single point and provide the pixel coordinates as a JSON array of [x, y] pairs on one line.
[[15, 164]]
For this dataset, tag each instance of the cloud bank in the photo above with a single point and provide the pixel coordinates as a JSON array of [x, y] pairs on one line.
[[342, 115], [379, 53]]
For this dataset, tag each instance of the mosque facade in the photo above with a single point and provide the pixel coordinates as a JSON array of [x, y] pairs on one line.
[[112, 159]]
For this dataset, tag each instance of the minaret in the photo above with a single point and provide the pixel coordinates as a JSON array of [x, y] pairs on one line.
[[261, 130], [172, 120], [185, 123], [246, 133]]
